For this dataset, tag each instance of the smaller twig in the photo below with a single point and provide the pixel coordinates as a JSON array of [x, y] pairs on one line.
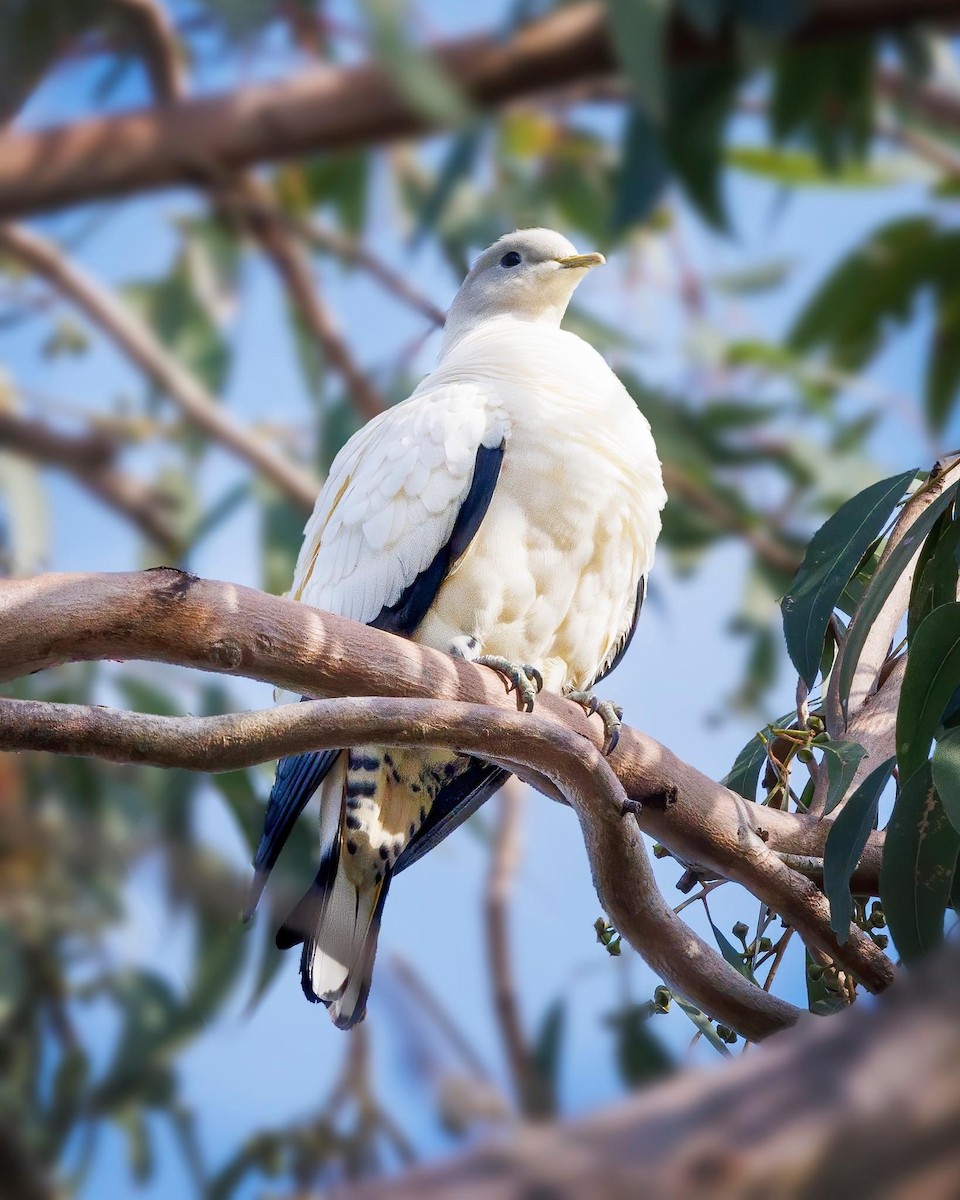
[[90, 459]]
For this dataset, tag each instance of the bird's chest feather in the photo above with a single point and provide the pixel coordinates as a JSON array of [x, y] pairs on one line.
[[551, 576]]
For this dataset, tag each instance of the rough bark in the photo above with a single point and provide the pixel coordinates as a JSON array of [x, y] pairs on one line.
[[864, 1104], [196, 141], [169, 616]]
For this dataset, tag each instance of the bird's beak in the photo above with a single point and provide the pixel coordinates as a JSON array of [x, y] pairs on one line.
[[582, 262]]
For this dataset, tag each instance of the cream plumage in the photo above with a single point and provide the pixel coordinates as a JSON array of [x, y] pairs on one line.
[[510, 507]]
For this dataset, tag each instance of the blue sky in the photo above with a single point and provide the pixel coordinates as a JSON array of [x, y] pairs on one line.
[[275, 1065]]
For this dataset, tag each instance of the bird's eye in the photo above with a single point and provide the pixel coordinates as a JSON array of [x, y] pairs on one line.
[[510, 260]]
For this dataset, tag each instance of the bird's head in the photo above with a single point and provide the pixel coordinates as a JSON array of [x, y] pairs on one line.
[[530, 275]]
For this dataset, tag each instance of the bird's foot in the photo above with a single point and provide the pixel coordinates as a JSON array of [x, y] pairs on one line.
[[522, 678], [611, 714]]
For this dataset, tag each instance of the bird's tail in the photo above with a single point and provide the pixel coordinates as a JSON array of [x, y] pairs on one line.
[[338, 925]]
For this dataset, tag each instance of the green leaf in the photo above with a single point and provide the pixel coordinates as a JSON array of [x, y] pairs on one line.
[[641, 1056], [882, 585], [546, 1060], [945, 765], [830, 561], [919, 859], [935, 579], [643, 172], [703, 1023], [733, 956], [701, 100], [752, 280], [820, 1000], [795, 168], [842, 760], [943, 364], [638, 29], [24, 517], [282, 536], [12, 976], [457, 165], [744, 775], [845, 842], [418, 75], [931, 678]]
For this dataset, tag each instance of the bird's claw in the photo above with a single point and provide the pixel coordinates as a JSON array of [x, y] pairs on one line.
[[611, 714], [522, 678]]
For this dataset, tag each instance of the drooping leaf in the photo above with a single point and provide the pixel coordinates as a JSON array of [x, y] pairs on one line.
[[418, 75], [830, 561], [641, 1056], [701, 102], [845, 842], [882, 584], [733, 956], [704, 1024], [919, 859], [935, 578], [943, 363], [946, 773], [546, 1059], [744, 775], [644, 171], [841, 759], [637, 30], [796, 168], [455, 167], [823, 95], [931, 678]]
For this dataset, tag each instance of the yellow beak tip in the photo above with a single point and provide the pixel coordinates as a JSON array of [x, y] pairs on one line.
[[582, 262]]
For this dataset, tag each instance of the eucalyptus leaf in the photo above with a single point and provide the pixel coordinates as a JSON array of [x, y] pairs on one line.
[[946, 773], [930, 680], [830, 561], [919, 859], [841, 759], [845, 842], [882, 584]]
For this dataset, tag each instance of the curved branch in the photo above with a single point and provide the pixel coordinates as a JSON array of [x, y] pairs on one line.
[[618, 859], [353, 106], [169, 616], [136, 340]]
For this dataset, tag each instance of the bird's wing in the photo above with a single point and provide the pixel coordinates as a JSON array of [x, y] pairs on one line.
[[402, 503]]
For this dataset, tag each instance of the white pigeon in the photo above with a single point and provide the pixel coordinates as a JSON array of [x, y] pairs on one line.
[[507, 512]]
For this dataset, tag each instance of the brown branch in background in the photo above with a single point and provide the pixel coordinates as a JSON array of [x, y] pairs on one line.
[[293, 267], [158, 43], [866, 1104], [766, 548], [160, 49], [169, 616], [504, 860], [574, 766], [324, 109], [138, 342], [91, 459]]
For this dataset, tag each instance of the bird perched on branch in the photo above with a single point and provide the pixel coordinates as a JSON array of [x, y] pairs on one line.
[[507, 512]]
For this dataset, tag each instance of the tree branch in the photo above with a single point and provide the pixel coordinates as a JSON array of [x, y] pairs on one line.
[[169, 616], [504, 859], [618, 858], [136, 340], [324, 109], [866, 1104], [90, 459]]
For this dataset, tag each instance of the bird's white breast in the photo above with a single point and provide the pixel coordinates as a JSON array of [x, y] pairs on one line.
[[551, 576]]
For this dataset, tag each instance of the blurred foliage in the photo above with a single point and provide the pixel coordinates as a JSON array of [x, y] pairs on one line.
[[762, 440]]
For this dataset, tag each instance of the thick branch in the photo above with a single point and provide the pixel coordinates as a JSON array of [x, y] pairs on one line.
[[169, 616], [866, 1104], [135, 339], [190, 141], [90, 459], [618, 858]]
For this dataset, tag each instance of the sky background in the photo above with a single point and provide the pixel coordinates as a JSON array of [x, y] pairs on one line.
[[276, 1064]]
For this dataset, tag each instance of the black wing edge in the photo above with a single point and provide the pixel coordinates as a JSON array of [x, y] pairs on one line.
[[405, 615], [627, 637], [455, 802], [299, 776]]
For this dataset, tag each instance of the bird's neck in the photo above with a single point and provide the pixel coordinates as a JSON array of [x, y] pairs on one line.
[[460, 326]]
